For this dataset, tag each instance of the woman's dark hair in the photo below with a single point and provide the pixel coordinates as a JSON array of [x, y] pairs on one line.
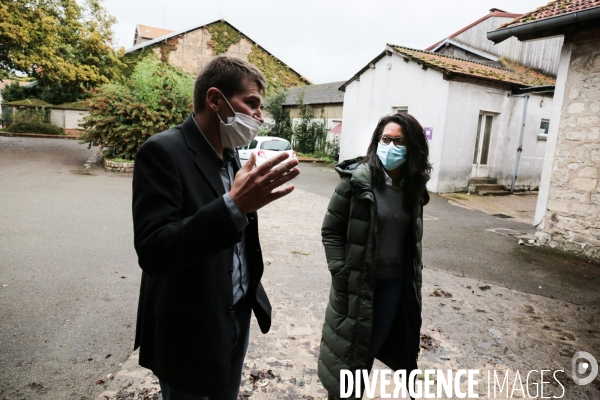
[[416, 169]]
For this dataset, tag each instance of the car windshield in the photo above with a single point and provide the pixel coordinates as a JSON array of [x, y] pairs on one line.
[[275, 145]]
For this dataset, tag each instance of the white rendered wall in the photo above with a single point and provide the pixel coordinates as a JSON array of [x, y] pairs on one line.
[[424, 92], [502, 163], [465, 102]]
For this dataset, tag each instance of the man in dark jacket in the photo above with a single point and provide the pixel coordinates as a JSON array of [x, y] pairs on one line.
[[196, 236]]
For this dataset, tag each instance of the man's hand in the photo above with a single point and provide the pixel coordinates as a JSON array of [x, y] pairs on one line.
[[254, 188]]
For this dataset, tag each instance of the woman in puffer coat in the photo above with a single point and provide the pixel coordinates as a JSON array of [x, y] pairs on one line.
[[372, 237]]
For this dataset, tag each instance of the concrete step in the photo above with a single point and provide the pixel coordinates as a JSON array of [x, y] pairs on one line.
[[483, 181], [493, 192], [487, 187]]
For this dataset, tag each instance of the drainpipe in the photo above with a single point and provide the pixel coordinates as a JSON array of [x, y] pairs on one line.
[[520, 149]]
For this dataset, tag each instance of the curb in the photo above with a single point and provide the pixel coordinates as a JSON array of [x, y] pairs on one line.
[[38, 135], [310, 160]]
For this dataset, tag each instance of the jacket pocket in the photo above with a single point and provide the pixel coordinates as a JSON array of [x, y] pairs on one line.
[[339, 282]]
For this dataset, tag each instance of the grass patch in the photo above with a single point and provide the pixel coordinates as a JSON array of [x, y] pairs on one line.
[[118, 159]]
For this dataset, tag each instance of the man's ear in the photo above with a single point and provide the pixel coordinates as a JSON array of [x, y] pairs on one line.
[[212, 99]]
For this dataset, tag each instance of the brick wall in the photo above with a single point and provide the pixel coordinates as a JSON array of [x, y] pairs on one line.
[[572, 218]]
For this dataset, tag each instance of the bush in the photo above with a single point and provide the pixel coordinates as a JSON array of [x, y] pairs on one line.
[[310, 135], [34, 127], [123, 115], [33, 121]]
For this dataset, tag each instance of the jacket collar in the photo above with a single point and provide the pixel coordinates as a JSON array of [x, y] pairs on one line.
[[207, 160], [359, 173]]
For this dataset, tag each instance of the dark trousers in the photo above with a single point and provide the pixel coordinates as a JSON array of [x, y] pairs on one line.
[[386, 300], [240, 332]]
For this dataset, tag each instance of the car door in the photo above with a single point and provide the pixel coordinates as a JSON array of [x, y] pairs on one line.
[[244, 152]]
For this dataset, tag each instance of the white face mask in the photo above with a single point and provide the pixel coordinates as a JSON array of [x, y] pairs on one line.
[[239, 130]]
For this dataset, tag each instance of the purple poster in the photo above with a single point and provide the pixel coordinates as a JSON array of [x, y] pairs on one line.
[[428, 133]]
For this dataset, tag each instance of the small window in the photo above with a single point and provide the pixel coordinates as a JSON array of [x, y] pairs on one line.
[[275, 145], [544, 125], [253, 144], [400, 110]]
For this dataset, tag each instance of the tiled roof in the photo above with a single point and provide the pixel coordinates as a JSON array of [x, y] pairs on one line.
[[511, 73], [325, 93], [494, 12], [553, 9], [150, 32]]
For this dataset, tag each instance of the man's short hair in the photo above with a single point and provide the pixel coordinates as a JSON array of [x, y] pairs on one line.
[[228, 74]]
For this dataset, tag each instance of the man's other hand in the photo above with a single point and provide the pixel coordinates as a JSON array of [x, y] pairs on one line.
[[254, 188]]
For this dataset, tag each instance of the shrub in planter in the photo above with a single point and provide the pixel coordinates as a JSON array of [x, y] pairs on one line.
[[123, 115]]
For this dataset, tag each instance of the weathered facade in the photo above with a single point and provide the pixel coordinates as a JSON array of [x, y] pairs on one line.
[[568, 208], [541, 55], [572, 216], [191, 49], [472, 118]]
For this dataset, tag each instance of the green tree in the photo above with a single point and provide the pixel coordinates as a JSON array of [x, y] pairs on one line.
[[281, 126], [310, 134], [123, 115], [63, 44]]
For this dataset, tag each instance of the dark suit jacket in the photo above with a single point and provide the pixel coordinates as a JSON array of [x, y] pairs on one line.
[[184, 238]]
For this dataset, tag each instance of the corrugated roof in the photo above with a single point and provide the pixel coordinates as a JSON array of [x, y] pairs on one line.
[[325, 93], [151, 32], [553, 9], [494, 12], [336, 129], [512, 73]]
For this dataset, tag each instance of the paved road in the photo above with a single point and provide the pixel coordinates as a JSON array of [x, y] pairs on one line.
[[67, 312], [69, 278], [458, 241]]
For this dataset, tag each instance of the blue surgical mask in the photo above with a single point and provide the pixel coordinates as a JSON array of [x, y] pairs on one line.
[[391, 156]]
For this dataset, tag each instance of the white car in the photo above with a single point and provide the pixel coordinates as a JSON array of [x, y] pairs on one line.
[[265, 147]]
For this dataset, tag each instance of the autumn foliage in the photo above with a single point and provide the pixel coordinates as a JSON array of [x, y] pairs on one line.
[[123, 115]]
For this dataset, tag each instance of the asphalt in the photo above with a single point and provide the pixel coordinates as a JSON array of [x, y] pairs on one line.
[[69, 278], [459, 240]]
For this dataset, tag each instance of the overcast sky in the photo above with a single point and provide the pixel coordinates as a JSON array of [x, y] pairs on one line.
[[324, 40]]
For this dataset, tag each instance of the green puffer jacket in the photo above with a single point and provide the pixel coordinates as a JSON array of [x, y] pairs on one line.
[[350, 239]]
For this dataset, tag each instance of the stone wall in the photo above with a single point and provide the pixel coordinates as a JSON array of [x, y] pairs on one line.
[[193, 52], [572, 218], [114, 166]]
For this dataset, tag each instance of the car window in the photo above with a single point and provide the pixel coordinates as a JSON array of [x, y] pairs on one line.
[[253, 144], [275, 145]]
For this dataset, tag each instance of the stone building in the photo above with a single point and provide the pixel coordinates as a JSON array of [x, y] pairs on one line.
[[568, 208], [190, 49]]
